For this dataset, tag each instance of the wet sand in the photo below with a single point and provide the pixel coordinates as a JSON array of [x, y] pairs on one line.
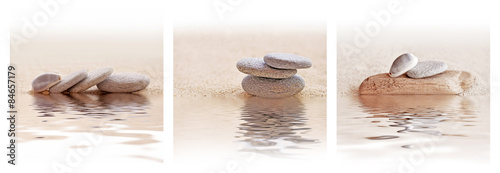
[[205, 60]]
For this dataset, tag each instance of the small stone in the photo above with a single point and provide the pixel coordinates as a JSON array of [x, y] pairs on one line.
[[402, 64], [273, 88], [448, 82], [93, 78], [383, 137], [68, 81], [427, 69], [124, 82], [257, 67], [408, 146], [287, 61], [45, 81]]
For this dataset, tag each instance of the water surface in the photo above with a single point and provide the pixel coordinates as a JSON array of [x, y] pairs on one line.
[[441, 128], [99, 128], [251, 132]]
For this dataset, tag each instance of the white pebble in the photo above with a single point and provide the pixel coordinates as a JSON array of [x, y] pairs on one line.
[[427, 69], [402, 64]]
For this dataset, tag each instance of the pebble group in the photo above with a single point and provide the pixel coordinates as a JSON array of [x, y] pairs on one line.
[[273, 76], [408, 63], [82, 80]]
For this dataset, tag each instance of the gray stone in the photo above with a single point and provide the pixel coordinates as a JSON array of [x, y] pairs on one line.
[[68, 81], [45, 81], [272, 88], [257, 67], [287, 61], [427, 69], [402, 64], [124, 82], [93, 78]]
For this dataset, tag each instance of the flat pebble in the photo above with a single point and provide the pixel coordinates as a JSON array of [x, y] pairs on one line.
[[383, 137], [408, 146], [287, 61], [427, 69], [402, 64], [272, 88], [257, 67], [68, 81], [93, 78], [124, 82], [45, 81]]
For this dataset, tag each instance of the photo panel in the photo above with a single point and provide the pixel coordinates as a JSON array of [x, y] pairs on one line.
[[249, 86], [86, 80], [413, 91]]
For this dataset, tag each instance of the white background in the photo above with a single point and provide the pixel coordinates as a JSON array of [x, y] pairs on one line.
[[120, 14]]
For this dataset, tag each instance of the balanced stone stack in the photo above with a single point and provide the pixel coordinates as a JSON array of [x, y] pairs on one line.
[[409, 63], [273, 76], [81, 80], [425, 77]]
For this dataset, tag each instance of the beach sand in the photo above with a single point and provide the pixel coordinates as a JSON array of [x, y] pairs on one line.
[[205, 59], [460, 49], [65, 53]]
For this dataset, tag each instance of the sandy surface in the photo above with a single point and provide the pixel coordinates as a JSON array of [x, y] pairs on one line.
[[66, 53], [205, 60], [460, 49]]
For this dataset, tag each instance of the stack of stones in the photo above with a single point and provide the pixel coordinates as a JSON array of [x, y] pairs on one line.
[[408, 63], [273, 76], [81, 80], [425, 77]]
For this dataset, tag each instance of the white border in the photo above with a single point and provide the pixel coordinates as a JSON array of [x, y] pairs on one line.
[[331, 102], [331, 60], [168, 91], [4, 59], [495, 86]]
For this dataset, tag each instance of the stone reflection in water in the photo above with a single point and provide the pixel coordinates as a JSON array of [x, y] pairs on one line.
[[123, 102], [419, 113], [106, 114], [49, 104], [270, 124], [96, 105], [94, 112], [127, 119]]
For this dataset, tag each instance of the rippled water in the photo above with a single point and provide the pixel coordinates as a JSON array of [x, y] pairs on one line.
[[115, 127], [389, 127], [213, 132], [266, 122]]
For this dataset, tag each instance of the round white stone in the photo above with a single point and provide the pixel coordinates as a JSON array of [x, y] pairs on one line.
[[272, 88], [257, 67], [45, 81], [124, 82], [287, 61], [402, 64], [427, 69], [68, 81], [93, 78]]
